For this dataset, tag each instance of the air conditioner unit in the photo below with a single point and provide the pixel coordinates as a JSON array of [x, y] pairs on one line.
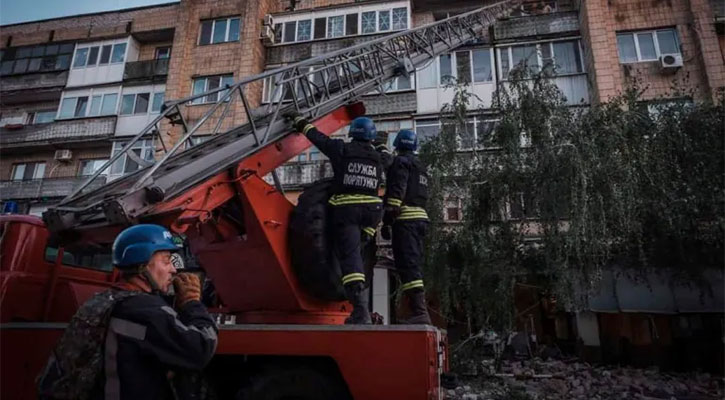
[[63, 155], [669, 63], [267, 35], [268, 20]]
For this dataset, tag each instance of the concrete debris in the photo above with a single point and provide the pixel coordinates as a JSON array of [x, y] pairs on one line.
[[553, 380]]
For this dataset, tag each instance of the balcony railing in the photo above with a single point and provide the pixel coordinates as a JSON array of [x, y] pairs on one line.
[[40, 188], [152, 70], [73, 130], [537, 25]]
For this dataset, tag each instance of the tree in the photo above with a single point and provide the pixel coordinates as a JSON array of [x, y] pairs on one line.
[[628, 182]]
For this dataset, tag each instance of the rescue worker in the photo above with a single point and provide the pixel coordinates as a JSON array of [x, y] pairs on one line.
[[144, 340], [405, 200], [356, 207]]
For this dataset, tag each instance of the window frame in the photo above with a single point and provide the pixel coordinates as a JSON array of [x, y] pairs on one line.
[[508, 49], [49, 111], [436, 66], [25, 165], [118, 146], [85, 160], [90, 95], [158, 50], [655, 40], [228, 22], [317, 18], [203, 100], [99, 55], [50, 60]]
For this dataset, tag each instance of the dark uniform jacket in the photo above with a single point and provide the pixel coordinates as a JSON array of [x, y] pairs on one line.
[[407, 186], [357, 166], [147, 339]]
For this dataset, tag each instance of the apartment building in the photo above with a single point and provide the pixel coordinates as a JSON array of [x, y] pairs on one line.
[[74, 89], [70, 89]]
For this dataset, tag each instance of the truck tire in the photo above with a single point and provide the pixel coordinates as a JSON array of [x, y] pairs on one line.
[[313, 260], [293, 383]]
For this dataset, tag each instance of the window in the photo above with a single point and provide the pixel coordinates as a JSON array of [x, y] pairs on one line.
[[428, 75], [446, 70], [557, 58], [137, 103], [400, 18], [427, 128], [163, 53], [478, 131], [205, 84], [118, 53], [96, 257], [482, 71], [95, 105], [369, 21], [219, 30], [42, 117], [27, 171], [289, 31], [89, 167], [320, 25], [21, 60], [157, 102], [463, 66], [73, 107], [335, 26], [521, 205], [81, 58], [93, 56], [398, 84], [105, 54], [351, 24], [90, 56], [304, 30], [109, 104], [143, 149], [384, 20], [646, 45], [453, 210]]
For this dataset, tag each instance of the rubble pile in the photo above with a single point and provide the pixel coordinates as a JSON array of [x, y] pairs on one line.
[[540, 380]]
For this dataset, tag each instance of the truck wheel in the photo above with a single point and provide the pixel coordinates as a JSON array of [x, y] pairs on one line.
[[297, 383], [310, 240]]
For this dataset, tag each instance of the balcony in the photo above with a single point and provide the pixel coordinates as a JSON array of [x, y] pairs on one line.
[[146, 71], [63, 131], [46, 86], [44, 188], [536, 25], [299, 174]]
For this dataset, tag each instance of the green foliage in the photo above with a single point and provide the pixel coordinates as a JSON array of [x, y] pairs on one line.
[[635, 183]]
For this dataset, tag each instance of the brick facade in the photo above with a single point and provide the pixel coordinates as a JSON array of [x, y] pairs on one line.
[[53, 168], [703, 69]]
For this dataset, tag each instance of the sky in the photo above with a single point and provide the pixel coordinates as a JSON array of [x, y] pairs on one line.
[[14, 11]]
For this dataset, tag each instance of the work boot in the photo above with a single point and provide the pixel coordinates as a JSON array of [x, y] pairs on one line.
[[418, 309], [357, 296]]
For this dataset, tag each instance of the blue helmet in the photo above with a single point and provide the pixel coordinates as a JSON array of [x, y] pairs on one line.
[[363, 128], [406, 140], [136, 245]]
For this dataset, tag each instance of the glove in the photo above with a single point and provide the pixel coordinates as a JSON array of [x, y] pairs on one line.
[[298, 121], [381, 141], [390, 215], [386, 232], [187, 287]]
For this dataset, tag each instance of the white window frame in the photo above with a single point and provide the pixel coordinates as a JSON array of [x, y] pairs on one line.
[[117, 147], [90, 93], [476, 119], [36, 171], [280, 21], [507, 51], [655, 39], [454, 67], [101, 160], [135, 99], [202, 100], [100, 46], [35, 116], [226, 33]]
